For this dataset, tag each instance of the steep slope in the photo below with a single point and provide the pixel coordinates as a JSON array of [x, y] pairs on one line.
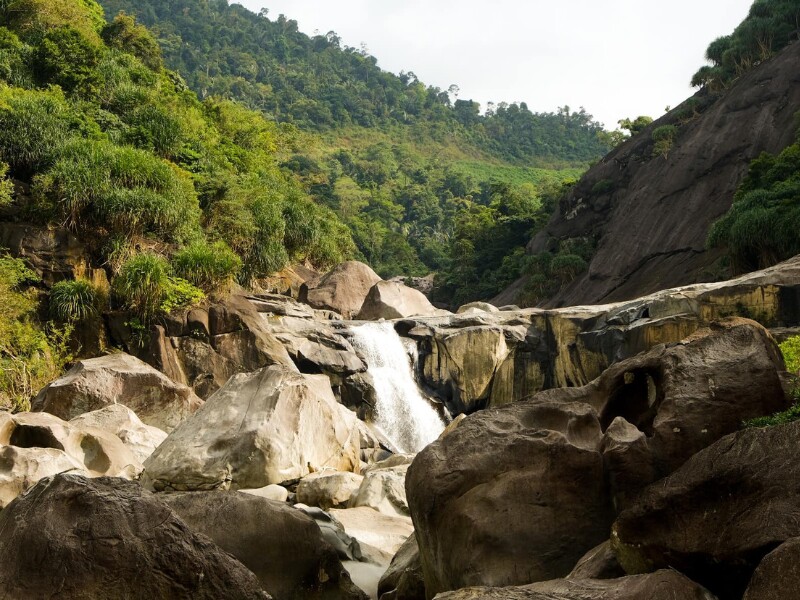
[[649, 215]]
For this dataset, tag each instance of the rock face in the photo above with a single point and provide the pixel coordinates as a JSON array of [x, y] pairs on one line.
[[716, 517], [598, 563], [537, 461], [328, 489], [76, 538], [38, 445], [384, 490], [266, 427], [380, 536], [120, 420], [645, 241], [403, 579], [207, 346], [390, 300], [777, 573], [118, 379], [343, 289], [663, 585], [282, 546], [512, 355]]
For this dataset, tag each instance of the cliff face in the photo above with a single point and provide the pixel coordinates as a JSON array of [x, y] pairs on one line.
[[650, 215]]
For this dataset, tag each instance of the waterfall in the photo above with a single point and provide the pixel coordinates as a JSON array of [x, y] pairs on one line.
[[404, 416]]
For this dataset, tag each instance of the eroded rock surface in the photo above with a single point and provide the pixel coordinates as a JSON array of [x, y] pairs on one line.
[[266, 427], [510, 496], [717, 516], [391, 300], [119, 379], [343, 289]]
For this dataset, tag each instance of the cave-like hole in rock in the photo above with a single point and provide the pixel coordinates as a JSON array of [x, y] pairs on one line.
[[34, 436], [94, 457], [635, 399]]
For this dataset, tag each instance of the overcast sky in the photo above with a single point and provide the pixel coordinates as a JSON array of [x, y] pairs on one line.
[[617, 58]]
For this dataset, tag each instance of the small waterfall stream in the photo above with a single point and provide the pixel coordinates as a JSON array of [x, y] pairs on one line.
[[404, 416]]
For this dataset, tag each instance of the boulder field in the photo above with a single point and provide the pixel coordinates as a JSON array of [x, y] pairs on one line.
[[596, 453]]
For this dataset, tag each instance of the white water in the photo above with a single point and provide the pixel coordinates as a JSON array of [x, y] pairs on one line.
[[407, 419]]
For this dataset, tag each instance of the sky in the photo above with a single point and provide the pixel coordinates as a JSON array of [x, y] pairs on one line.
[[616, 58]]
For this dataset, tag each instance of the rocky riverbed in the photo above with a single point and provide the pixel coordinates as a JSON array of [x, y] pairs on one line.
[[583, 453]]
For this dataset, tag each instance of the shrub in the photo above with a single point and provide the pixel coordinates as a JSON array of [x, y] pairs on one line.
[[73, 301], [791, 353], [208, 266], [125, 34], [180, 294], [6, 187], [664, 137], [127, 192], [144, 286], [66, 58], [604, 186], [30, 357], [141, 284], [34, 125]]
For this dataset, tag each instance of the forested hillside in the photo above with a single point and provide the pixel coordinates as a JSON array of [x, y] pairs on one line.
[[316, 82], [425, 182], [173, 197]]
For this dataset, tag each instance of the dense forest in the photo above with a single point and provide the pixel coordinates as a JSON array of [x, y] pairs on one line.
[[317, 83]]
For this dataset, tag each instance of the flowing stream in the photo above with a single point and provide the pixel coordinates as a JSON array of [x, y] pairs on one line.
[[404, 416]]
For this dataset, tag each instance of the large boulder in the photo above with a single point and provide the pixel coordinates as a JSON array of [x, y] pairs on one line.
[[717, 516], [38, 445], [778, 573], [343, 289], [384, 489], [391, 300], [328, 489], [120, 420], [118, 379], [663, 585], [266, 427], [662, 406], [403, 579], [281, 545], [74, 538], [510, 496], [598, 563], [379, 536]]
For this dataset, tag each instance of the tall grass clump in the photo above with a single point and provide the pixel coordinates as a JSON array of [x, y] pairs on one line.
[[211, 267], [73, 301]]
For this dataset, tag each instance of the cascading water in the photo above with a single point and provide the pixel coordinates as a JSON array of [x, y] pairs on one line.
[[407, 419]]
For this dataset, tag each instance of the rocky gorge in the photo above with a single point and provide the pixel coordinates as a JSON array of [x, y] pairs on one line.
[[245, 450]]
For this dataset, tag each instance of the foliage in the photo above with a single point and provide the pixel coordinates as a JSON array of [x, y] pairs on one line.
[[769, 26], [788, 416], [141, 284], [762, 227], [125, 34], [791, 353], [210, 267], [66, 58], [96, 185], [664, 137], [30, 357], [180, 294], [6, 186], [225, 50], [636, 125], [72, 301], [145, 286]]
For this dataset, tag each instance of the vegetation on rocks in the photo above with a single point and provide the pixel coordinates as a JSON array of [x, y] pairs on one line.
[[762, 227]]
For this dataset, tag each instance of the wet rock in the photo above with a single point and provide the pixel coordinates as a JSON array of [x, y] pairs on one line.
[[282, 546], [537, 461], [266, 427], [118, 379], [73, 538]]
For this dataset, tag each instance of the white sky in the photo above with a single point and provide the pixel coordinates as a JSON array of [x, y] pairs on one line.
[[617, 58]]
